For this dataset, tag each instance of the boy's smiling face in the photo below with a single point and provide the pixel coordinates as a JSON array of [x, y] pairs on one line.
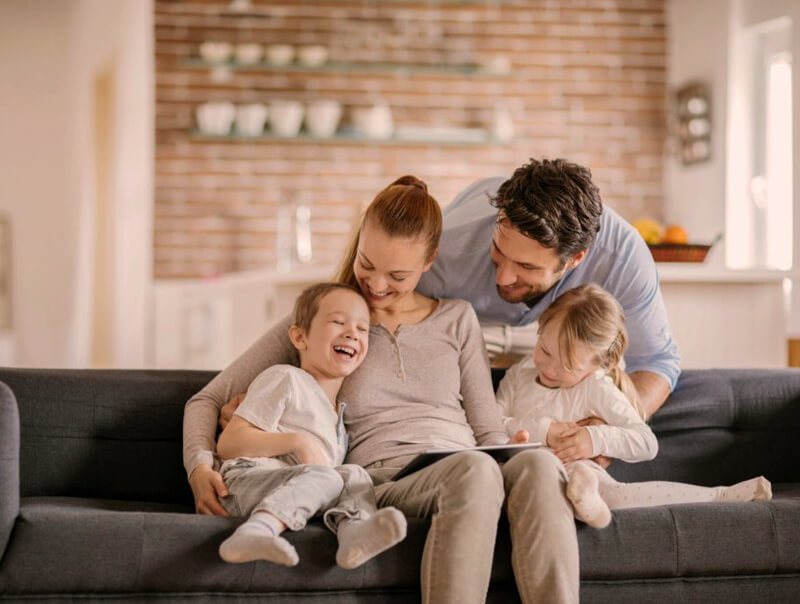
[[337, 340]]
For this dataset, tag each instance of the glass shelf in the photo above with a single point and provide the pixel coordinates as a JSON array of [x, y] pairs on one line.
[[345, 67], [263, 13], [467, 137]]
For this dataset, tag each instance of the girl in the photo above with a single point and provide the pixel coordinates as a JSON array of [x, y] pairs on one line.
[[575, 373]]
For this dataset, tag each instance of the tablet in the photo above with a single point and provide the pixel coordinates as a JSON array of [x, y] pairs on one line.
[[500, 453]]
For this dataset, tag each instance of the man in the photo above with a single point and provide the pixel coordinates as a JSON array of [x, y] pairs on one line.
[[511, 247]]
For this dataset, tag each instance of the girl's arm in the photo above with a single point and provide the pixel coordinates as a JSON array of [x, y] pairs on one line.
[[202, 411], [625, 436], [242, 439], [476, 383]]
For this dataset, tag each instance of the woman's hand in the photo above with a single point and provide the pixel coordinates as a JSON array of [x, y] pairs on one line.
[[207, 487], [572, 445], [600, 460], [226, 413], [307, 451], [519, 438]]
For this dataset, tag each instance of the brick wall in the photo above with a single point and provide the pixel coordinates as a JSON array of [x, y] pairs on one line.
[[588, 83]]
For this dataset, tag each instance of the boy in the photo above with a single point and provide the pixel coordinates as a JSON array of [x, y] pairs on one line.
[[284, 447]]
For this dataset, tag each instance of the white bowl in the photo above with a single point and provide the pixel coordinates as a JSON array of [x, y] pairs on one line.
[[216, 52], [215, 118], [280, 54], [249, 53], [250, 119], [313, 56], [285, 117], [322, 118]]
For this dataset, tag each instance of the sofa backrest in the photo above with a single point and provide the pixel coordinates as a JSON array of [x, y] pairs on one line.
[[117, 433], [103, 433]]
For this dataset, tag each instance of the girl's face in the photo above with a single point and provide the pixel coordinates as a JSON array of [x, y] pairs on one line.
[[388, 268], [548, 360]]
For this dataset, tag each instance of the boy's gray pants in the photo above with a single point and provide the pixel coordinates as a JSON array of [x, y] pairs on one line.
[[295, 494]]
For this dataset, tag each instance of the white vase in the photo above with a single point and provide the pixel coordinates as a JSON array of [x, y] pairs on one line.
[[215, 118], [285, 117], [250, 119], [322, 118]]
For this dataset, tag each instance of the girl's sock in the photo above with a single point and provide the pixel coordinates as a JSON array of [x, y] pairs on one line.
[[258, 539], [583, 492], [361, 540], [755, 489]]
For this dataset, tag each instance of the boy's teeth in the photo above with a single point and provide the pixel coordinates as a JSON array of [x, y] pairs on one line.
[[346, 350]]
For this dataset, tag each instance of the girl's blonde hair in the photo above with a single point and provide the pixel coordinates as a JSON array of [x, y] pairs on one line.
[[591, 316], [403, 209]]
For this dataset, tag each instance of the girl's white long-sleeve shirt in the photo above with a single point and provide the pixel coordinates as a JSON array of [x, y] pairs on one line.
[[527, 405]]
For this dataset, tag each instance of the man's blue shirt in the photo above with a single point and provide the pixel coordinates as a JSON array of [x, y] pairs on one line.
[[618, 260]]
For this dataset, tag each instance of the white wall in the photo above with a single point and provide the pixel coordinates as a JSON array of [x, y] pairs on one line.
[[50, 54], [697, 51]]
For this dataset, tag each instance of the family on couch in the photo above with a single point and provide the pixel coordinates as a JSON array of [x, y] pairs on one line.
[[509, 250]]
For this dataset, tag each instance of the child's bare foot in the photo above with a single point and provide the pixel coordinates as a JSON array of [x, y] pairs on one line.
[[583, 492], [361, 540]]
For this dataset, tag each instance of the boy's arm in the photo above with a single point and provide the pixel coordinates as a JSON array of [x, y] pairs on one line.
[[242, 439]]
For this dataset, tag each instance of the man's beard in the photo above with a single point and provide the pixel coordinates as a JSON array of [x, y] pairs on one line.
[[530, 296]]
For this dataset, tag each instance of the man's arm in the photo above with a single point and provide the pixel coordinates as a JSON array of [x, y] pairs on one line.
[[652, 388]]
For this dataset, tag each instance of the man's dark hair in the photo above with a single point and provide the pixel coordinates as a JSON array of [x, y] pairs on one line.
[[554, 202]]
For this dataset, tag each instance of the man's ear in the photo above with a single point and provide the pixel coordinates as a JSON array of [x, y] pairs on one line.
[[576, 259], [298, 337]]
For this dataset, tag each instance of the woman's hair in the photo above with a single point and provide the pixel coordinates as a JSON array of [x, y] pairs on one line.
[[403, 209], [307, 304], [589, 315]]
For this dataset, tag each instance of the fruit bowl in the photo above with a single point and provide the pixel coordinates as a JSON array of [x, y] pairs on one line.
[[678, 252]]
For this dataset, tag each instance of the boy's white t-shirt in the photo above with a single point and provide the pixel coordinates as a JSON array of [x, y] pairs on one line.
[[284, 398], [527, 405]]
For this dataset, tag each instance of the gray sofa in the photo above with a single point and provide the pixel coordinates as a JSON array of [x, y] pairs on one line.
[[94, 503]]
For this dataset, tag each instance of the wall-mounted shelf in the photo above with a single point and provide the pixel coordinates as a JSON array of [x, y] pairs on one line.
[[465, 137], [346, 67]]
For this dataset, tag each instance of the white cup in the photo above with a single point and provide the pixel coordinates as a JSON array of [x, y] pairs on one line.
[[249, 53], [322, 118], [285, 117], [216, 52], [313, 56], [280, 54], [250, 119], [215, 118]]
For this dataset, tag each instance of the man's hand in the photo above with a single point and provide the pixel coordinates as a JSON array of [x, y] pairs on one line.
[[600, 460], [226, 413], [571, 444], [307, 451], [519, 438], [207, 487]]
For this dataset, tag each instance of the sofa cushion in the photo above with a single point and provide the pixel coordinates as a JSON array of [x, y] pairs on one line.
[[89, 546]]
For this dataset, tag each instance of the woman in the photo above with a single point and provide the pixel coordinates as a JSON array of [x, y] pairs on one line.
[[425, 384]]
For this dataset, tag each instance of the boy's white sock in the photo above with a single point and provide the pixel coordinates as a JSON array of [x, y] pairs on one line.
[[583, 492], [258, 539], [361, 540], [755, 489]]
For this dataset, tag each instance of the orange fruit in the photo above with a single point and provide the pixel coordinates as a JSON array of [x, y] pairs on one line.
[[675, 234]]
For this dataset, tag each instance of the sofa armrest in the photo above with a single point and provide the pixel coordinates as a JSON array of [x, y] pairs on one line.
[[9, 464]]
